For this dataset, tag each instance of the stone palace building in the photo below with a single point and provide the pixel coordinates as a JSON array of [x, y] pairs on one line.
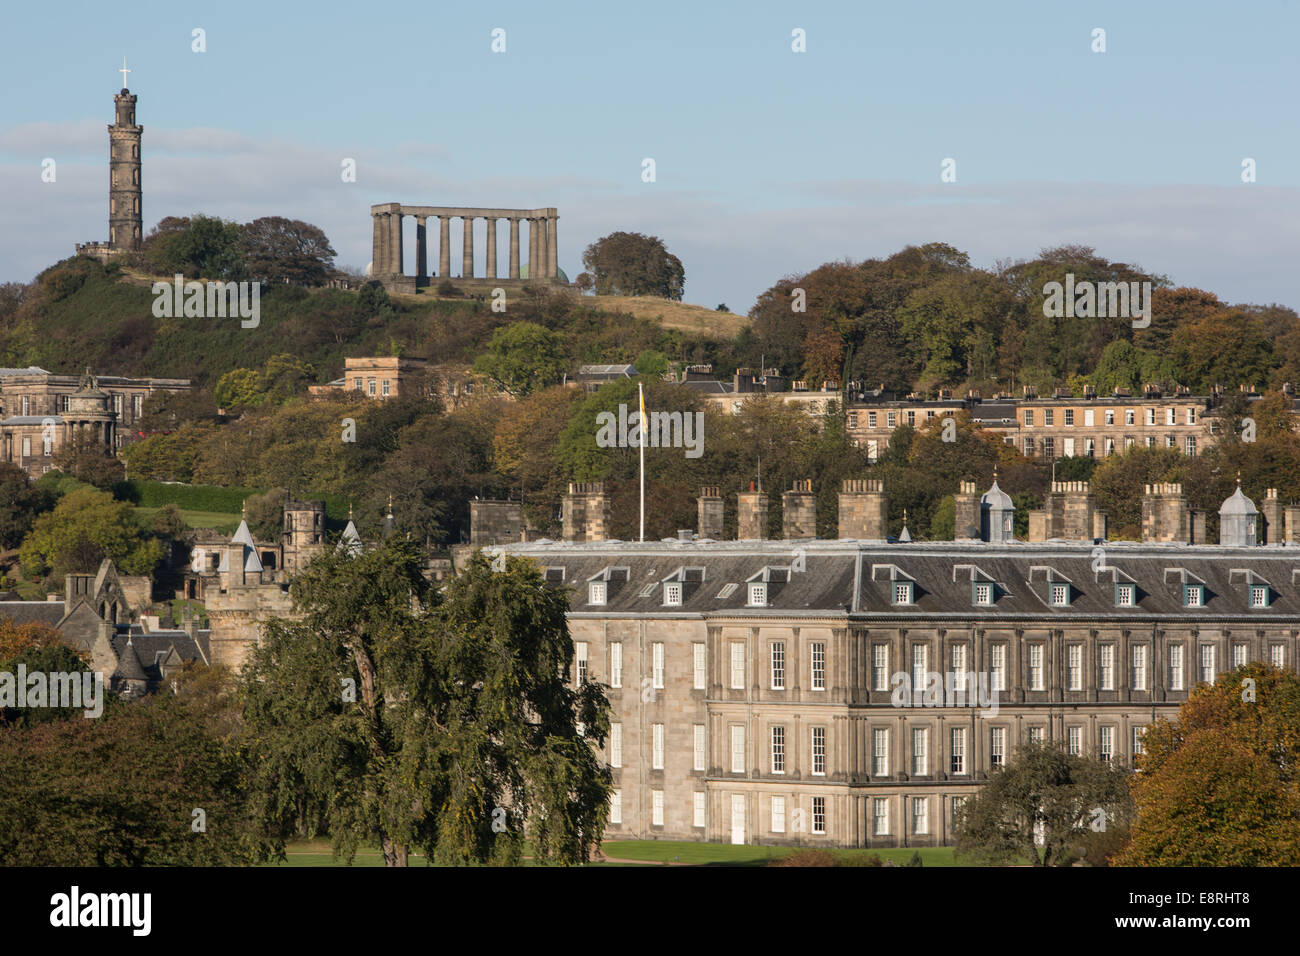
[[753, 682]]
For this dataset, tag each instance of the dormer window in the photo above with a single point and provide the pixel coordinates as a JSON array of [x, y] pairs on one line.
[[673, 593], [757, 594], [1194, 595], [1060, 595], [1124, 596], [984, 594], [596, 592], [1259, 595], [903, 592]]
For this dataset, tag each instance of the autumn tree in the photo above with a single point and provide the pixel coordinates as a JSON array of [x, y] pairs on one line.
[[1040, 806], [629, 263], [1220, 784], [20, 503]]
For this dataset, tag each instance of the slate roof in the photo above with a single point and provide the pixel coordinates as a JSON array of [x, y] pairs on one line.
[[24, 612], [854, 579]]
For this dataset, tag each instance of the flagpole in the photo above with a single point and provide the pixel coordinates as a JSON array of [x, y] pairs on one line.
[[640, 389]]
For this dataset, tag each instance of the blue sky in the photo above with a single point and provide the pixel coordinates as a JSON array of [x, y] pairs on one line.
[[768, 162]]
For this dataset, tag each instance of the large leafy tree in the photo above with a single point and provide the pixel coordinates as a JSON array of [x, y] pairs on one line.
[[381, 716], [85, 527], [280, 250], [20, 503], [122, 790], [523, 357], [197, 246], [630, 263], [1041, 806], [1220, 786]]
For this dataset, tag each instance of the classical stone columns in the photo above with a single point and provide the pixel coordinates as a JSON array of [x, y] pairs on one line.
[[444, 246], [514, 247], [552, 244], [421, 248], [467, 258], [387, 244], [395, 259], [542, 254], [533, 244]]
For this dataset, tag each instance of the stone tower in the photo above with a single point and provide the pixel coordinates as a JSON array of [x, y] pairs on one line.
[[304, 533], [124, 214]]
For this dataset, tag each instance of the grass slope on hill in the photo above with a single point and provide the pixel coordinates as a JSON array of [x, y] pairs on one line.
[[78, 314]]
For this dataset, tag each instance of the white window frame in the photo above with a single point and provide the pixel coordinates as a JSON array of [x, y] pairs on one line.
[[778, 814], [1176, 667], [817, 654], [1036, 670], [656, 746], [701, 809], [1240, 654], [1060, 595], [616, 745], [657, 665], [920, 816], [776, 658], [672, 594], [616, 664], [1074, 667], [1074, 741], [818, 751], [880, 752], [1106, 667], [880, 667], [819, 815], [920, 751], [757, 594], [1139, 667], [699, 665], [656, 808], [738, 748], [699, 748], [776, 736], [957, 751], [737, 665], [880, 816], [581, 652], [1208, 664], [616, 807], [997, 746], [997, 667]]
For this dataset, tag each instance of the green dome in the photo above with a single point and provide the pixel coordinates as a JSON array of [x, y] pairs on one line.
[[560, 273]]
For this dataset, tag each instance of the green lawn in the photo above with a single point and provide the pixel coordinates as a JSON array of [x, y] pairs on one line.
[[219, 520], [645, 852], [726, 854]]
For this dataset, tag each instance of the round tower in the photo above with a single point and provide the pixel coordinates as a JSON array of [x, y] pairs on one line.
[[124, 191]]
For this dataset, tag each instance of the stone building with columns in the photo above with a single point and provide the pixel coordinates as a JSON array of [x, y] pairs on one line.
[[752, 682], [41, 411], [388, 263]]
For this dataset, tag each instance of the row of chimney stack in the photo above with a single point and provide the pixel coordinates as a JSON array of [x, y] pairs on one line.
[[1069, 513]]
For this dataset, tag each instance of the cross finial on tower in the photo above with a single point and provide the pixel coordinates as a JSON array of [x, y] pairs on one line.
[[124, 71]]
